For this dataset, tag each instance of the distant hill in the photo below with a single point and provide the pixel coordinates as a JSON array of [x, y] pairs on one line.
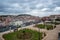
[[15, 15], [24, 15]]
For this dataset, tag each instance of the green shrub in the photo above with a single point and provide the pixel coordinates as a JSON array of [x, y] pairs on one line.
[[49, 27], [14, 35]]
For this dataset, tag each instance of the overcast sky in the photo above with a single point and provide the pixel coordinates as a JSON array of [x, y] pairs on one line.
[[33, 7]]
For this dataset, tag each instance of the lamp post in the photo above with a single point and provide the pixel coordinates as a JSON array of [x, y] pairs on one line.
[[10, 29], [23, 30], [54, 21], [44, 23], [17, 27], [39, 34]]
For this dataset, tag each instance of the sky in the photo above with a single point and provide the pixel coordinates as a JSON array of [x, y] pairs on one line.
[[33, 7]]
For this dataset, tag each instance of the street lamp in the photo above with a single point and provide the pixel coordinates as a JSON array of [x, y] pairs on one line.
[[54, 22], [10, 29], [39, 34], [44, 23], [17, 26]]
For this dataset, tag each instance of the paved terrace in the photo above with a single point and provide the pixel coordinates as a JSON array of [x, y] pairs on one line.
[[51, 34]]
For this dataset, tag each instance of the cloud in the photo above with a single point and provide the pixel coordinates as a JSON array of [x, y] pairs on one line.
[[45, 9], [41, 13], [38, 7], [57, 9]]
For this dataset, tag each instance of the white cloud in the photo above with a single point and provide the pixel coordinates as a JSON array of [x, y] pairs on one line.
[[35, 12], [15, 5], [39, 5], [34, 7], [41, 13], [50, 2], [57, 9], [44, 9]]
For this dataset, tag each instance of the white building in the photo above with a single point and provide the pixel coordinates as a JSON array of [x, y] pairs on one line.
[[16, 23]]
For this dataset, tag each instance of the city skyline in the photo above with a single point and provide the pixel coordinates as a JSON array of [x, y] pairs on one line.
[[33, 7]]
